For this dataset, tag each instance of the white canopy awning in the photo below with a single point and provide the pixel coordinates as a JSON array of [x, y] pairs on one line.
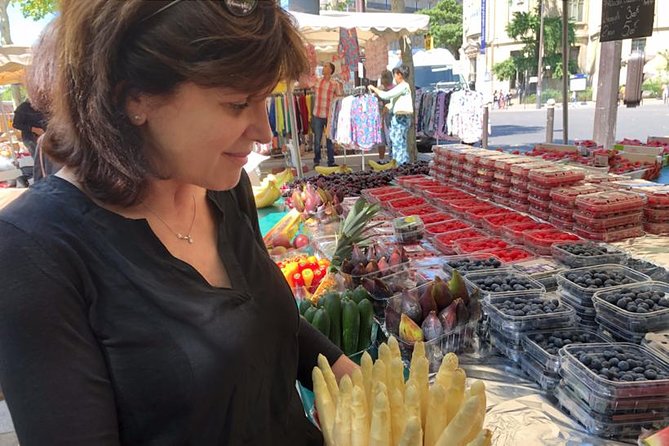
[[322, 31], [13, 61]]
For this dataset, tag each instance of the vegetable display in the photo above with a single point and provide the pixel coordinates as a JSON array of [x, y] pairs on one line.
[[376, 407]]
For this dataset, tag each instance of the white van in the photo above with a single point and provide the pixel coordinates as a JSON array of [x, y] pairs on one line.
[[436, 68]]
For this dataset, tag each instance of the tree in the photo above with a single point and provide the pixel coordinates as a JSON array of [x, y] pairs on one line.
[[36, 9], [505, 71], [525, 28], [446, 25]]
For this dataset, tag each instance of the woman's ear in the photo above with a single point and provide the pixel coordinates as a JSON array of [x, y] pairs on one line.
[[136, 108]]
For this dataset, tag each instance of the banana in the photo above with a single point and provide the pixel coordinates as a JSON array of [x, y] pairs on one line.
[[265, 196], [381, 167], [327, 170], [284, 177]]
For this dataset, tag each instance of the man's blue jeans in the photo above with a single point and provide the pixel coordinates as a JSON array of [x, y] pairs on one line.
[[318, 126]]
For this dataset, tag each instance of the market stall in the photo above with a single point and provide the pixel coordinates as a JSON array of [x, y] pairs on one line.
[[540, 276]]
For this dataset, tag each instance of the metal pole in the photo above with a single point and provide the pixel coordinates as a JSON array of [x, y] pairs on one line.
[[565, 71], [540, 68], [294, 135], [550, 123], [486, 120]]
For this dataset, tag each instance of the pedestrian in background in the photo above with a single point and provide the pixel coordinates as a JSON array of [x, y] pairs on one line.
[[385, 84], [325, 91], [665, 94]]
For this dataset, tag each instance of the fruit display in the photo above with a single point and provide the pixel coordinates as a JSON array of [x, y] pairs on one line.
[[472, 263], [312, 200], [376, 407], [377, 167], [516, 232], [504, 282], [544, 346], [436, 217], [637, 309], [445, 226], [609, 215], [482, 244], [542, 240], [408, 229], [478, 214], [566, 196], [445, 242], [610, 203], [347, 319], [512, 254], [459, 207], [404, 203], [375, 260], [496, 223], [579, 255], [304, 273]]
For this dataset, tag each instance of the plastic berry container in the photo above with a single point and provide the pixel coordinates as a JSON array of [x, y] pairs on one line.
[[541, 241], [601, 224], [378, 191], [505, 346], [541, 269], [658, 196], [519, 183], [516, 231], [435, 217], [483, 172], [543, 346], [546, 381], [561, 211], [445, 226], [644, 266], [500, 188], [603, 426], [471, 263], [495, 223], [445, 242], [401, 194], [513, 254], [586, 254], [651, 320], [611, 327], [409, 229], [406, 179], [480, 280], [610, 202], [584, 293], [404, 203], [555, 176], [441, 193], [566, 196], [540, 191], [656, 228], [502, 177], [520, 205], [460, 207], [523, 169], [505, 164], [610, 235], [539, 202], [481, 244], [478, 214], [490, 161], [657, 215], [425, 209], [539, 212], [504, 200], [561, 223], [572, 369], [518, 194]]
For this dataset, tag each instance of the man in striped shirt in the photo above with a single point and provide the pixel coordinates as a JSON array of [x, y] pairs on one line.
[[326, 89]]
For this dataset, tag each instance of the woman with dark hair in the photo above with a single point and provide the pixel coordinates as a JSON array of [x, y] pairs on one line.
[[401, 107], [147, 310]]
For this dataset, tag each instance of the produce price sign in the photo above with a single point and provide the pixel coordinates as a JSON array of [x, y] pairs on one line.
[[627, 19]]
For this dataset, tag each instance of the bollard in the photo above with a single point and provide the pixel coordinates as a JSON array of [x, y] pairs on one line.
[[486, 120], [550, 122]]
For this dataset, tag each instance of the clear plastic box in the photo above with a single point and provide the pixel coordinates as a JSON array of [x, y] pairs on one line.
[[505, 164], [523, 169], [475, 280], [417, 186], [503, 177], [432, 194], [495, 223], [539, 268], [515, 232], [501, 188], [566, 196], [583, 380], [632, 321], [445, 242], [425, 209], [519, 183], [611, 235], [600, 224], [556, 176], [518, 194], [657, 215], [459, 207], [482, 172], [470, 263], [504, 346], [501, 199], [656, 228], [445, 226], [520, 205], [546, 381], [513, 254], [404, 203], [536, 344], [541, 241], [610, 202], [539, 202], [402, 194], [584, 309], [602, 427], [644, 266], [436, 217], [540, 191], [491, 161], [477, 214], [481, 244], [599, 254], [560, 223], [615, 331], [562, 212], [539, 212], [409, 229], [515, 327], [378, 191], [585, 294]]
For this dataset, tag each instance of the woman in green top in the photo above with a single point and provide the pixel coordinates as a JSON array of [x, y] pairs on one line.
[[401, 107]]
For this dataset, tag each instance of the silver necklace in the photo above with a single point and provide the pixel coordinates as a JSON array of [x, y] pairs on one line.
[[185, 237]]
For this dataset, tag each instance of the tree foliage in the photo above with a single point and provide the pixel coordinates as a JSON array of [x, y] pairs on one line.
[[505, 71], [524, 28], [446, 25], [36, 9]]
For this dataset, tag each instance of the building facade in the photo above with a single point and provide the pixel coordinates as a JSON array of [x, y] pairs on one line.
[[485, 22]]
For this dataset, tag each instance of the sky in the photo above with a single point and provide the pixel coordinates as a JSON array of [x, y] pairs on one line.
[[24, 31]]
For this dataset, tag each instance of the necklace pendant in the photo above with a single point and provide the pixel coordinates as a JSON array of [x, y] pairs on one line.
[[186, 238]]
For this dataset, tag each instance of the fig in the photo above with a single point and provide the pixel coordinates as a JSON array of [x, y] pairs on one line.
[[410, 331], [357, 256], [392, 313], [432, 328], [383, 264], [474, 308], [372, 267], [395, 258], [427, 303], [449, 317], [462, 312], [457, 287], [411, 307], [381, 290], [359, 270], [441, 294], [346, 267]]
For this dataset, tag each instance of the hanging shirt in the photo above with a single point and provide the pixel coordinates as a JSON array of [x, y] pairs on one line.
[[366, 122], [349, 51], [344, 135], [325, 92]]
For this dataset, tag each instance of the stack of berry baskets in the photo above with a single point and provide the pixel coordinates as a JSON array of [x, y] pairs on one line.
[[406, 180], [460, 207], [476, 214], [543, 181], [629, 312], [610, 215], [445, 242], [583, 254], [378, 194], [395, 206], [471, 263], [656, 213], [434, 229], [541, 359], [542, 269], [495, 224], [615, 390], [562, 203], [578, 286], [647, 267], [542, 240], [481, 244], [515, 232], [419, 184]]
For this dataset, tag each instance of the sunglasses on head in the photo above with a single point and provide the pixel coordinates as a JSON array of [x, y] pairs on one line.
[[238, 8]]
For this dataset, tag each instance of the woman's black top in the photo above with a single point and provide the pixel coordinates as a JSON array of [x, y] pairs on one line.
[[107, 339]]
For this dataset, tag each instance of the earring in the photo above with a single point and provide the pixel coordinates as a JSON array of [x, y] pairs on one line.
[[137, 118]]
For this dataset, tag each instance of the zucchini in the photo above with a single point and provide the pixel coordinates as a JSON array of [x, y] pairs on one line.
[[360, 294], [332, 304], [350, 327], [309, 314], [322, 322], [366, 324], [304, 305]]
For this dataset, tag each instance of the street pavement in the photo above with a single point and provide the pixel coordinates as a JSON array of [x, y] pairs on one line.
[[524, 127]]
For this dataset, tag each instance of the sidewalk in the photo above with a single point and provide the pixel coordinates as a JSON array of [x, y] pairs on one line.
[[572, 105]]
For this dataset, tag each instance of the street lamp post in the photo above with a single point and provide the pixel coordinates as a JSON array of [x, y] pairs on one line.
[[541, 52], [565, 71]]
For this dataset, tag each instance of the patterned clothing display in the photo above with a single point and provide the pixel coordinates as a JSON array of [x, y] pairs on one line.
[[376, 58], [344, 128], [349, 50], [465, 117], [432, 113], [279, 118], [399, 131], [325, 91], [356, 121]]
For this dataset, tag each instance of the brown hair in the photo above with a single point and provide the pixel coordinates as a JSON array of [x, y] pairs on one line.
[[109, 50], [40, 76]]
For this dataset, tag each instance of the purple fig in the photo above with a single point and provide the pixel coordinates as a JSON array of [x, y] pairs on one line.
[[346, 267], [358, 270], [427, 302], [474, 308], [381, 290], [357, 256], [441, 294], [392, 313], [411, 307], [368, 284], [432, 328], [372, 267], [449, 317], [410, 331], [383, 264], [462, 312]]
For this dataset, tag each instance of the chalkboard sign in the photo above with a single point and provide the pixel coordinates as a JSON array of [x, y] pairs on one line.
[[627, 19]]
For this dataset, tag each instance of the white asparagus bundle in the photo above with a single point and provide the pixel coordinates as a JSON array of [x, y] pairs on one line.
[[374, 407]]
